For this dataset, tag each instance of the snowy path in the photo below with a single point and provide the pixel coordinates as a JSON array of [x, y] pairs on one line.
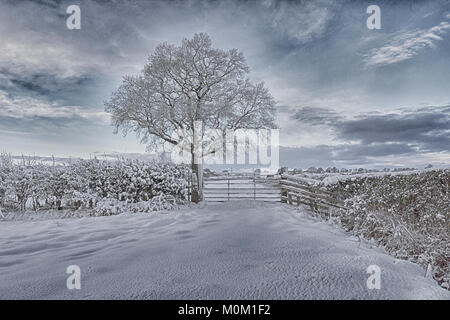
[[226, 251]]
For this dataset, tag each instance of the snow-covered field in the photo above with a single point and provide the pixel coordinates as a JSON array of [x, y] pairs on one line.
[[234, 250]]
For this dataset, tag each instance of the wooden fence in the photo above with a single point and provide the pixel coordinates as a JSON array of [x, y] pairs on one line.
[[296, 191], [288, 189]]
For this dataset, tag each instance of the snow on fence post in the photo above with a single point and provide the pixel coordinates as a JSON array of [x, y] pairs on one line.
[[283, 191], [189, 188], [228, 187], [312, 203], [200, 181], [306, 193], [254, 186]]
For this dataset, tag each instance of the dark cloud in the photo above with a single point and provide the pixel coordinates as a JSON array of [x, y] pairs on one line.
[[341, 155], [428, 128], [304, 157], [48, 3], [46, 84], [316, 116], [33, 86], [362, 151], [408, 132], [43, 125], [80, 90]]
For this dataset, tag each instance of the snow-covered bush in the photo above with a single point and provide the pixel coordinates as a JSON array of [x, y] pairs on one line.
[[131, 180], [5, 169], [409, 214], [110, 206], [106, 187]]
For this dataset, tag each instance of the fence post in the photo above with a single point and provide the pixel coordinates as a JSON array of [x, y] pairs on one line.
[[283, 192], [190, 188], [311, 203], [228, 189], [254, 186]]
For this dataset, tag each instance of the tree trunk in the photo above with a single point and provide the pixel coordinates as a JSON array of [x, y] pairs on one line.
[[197, 181], [59, 204]]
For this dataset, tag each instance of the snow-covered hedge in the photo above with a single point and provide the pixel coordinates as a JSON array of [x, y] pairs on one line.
[[106, 187], [408, 214]]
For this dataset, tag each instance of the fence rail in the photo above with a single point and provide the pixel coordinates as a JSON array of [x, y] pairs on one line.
[[297, 191], [231, 187], [286, 188]]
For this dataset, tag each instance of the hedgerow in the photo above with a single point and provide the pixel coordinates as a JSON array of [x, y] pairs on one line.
[[106, 187], [408, 214]]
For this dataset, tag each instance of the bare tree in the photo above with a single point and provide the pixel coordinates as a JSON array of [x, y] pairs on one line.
[[187, 84]]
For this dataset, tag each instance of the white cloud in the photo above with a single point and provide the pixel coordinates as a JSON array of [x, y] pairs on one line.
[[115, 45], [31, 52], [299, 21], [43, 45], [29, 107], [406, 45]]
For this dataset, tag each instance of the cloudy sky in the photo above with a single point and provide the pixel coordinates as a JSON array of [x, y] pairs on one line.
[[347, 96]]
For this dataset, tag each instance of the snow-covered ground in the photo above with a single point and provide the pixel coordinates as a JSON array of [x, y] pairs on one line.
[[234, 250]]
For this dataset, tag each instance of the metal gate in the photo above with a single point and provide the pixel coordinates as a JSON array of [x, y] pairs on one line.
[[241, 187]]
